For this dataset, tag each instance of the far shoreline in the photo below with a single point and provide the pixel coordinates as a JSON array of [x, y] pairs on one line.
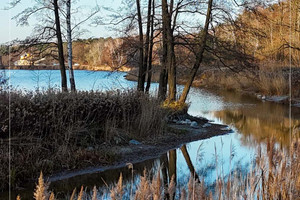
[[81, 67]]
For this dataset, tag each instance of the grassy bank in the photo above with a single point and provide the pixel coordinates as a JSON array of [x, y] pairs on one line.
[[55, 131], [273, 82], [268, 81]]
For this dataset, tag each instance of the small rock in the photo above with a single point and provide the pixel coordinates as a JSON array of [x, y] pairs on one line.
[[194, 124], [135, 142], [227, 128], [117, 140], [182, 122], [187, 121], [90, 149], [206, 125]]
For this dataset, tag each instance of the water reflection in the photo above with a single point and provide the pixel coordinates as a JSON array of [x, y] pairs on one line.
[[260, 120]]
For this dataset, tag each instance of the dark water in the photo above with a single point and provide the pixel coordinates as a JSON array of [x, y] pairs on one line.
[[252, 121]]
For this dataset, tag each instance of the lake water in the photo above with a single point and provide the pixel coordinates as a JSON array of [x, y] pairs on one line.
[[251, 120]]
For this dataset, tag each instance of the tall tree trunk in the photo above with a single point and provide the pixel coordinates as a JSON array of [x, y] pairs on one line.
[[170, 61], [163, 78], [60, 49], [142, 68], [146, 50], [199, 56], [150, 48], [70, 56], [171, 70]]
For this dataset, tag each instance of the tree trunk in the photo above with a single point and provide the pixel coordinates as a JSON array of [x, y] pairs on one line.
[[171, 70], [163, 83], [163, 78], [146, 50], [60, 49], [142, 69], [151, 47], [70, 56], [199, 56], [170, 60]]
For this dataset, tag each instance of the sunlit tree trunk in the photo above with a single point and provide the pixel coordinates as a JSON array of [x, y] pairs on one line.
[[199, 56], [70, 56], [60, 48]]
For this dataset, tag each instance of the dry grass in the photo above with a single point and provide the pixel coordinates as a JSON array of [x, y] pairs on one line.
[[53, 131], [270, 81], [276, 175]]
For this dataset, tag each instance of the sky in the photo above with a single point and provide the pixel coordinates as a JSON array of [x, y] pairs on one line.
[[10, 31]]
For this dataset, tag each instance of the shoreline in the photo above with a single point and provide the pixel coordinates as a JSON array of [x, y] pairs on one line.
[[83, 67], [149, 149], [176, 136], [280, 99]]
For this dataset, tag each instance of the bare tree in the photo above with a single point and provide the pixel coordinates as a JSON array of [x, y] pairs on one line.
[[199, 56], [54, 14], [69, 38], [169, 40], [60, 48], [163, 78], [149, 69], [142, 69]]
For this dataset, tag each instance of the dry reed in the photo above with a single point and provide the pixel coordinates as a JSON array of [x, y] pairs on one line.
[[49, 128], [276, 175]]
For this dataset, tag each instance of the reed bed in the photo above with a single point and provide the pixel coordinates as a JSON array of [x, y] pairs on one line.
[[275, 175], [53, 131], [270, 81]]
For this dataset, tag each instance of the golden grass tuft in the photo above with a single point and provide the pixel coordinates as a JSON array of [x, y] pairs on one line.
[[41, 191]]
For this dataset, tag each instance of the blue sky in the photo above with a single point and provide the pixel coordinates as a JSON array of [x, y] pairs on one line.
[[10, 31]]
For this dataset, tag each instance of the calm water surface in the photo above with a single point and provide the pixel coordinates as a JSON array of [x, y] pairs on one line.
[[251, 120]]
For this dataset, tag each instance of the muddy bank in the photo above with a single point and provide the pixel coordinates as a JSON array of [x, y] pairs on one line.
[[177, 135], [179, 132]]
